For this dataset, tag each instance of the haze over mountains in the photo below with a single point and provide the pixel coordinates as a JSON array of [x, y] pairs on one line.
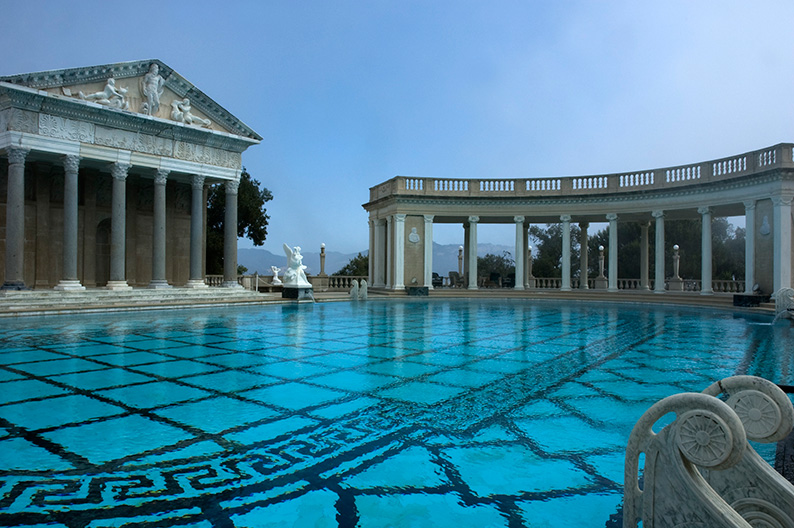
[[445, 258]]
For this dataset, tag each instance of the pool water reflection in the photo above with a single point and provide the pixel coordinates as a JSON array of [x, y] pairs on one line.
[[477, 413]]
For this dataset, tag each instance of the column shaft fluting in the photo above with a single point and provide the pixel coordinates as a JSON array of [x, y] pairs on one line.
[[118, 227], [230, 236], [158, 232], [644, 255], [583, 256], [399, 252], [428, 251], [705, 246], [518, 282], [71, 167], [15, 221], [612, 285], [658, 281], [566, 252], [196, 279], [749, 246], [472, 260]]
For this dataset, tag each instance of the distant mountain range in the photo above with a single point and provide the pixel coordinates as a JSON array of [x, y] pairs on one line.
[[445, 258]]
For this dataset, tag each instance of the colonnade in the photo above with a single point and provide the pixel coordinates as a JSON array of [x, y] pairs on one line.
[[119, 171], [388, 256]]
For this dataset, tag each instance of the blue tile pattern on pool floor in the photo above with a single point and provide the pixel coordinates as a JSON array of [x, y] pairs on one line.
[[417, 413]]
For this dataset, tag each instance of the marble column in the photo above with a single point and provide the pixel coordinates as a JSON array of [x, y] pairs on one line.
[[158, 232], [705, 248], [70, 282], [399, 252], [15, 221], [749, 246], [566, 252], [118, 228], [781, 227], [429, 251], [389, 252], [518, 282], [197, 205], [583, 256], [465, 274], [370, 259], [528, 262], [612, 284], [644, 255], [230, 236], [658, 278], [473, 252], [379, 256]]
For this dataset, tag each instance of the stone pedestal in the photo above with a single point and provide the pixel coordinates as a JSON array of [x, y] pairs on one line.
[[675, 285], [601, 283], [300, 293]]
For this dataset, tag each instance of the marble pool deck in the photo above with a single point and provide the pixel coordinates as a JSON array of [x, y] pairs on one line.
[[49, 302]]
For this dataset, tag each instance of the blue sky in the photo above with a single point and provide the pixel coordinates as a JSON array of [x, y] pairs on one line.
[[348, 94]]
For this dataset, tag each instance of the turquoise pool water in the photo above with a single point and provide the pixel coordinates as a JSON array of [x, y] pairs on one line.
[[401, 414]]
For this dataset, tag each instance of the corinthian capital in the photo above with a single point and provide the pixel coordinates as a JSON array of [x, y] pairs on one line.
[[71, 164], [119, 171], [17, 155]]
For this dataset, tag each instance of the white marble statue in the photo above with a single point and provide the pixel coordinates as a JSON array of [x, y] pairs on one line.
[[152, 89], [362, 290], [294, 276], [276, 281], [110, 96], [180, 111], [354, 290]]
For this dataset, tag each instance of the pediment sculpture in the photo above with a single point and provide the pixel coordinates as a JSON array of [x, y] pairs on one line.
[[111, 96]]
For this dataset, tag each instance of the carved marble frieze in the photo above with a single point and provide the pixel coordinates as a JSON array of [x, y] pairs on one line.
[[18, 120], [64, 128], [207, 155], [134, 141]]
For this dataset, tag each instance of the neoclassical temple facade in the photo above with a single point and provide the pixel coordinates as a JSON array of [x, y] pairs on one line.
[[105, 175], [758, 185]]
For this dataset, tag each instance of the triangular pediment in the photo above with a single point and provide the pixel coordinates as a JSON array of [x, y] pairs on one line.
[[148, 87]]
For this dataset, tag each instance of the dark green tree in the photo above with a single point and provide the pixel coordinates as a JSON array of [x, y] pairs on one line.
[[492, 265], [251, 217], [358, 266]]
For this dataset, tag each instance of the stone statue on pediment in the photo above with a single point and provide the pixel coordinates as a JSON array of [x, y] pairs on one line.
[[110, 96], [152, 85], [181, 112]]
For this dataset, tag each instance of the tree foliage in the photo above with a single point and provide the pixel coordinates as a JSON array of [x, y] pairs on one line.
[[358, 266], [727, 249], [502, 265], [252, 217]]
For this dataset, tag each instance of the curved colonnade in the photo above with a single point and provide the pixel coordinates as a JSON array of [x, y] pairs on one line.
[[757, 184]]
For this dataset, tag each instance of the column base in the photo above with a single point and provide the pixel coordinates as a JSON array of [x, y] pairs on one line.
[[234, 285], [14, 286], [707, 292], [518, 287], [196, 283], [69, 285], [118, 286], [160, 284]]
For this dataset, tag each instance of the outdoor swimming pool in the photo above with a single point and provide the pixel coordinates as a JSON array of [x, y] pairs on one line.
[[433, 413]]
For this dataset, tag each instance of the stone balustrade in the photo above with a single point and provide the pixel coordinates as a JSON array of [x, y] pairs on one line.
[[778, 156]]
